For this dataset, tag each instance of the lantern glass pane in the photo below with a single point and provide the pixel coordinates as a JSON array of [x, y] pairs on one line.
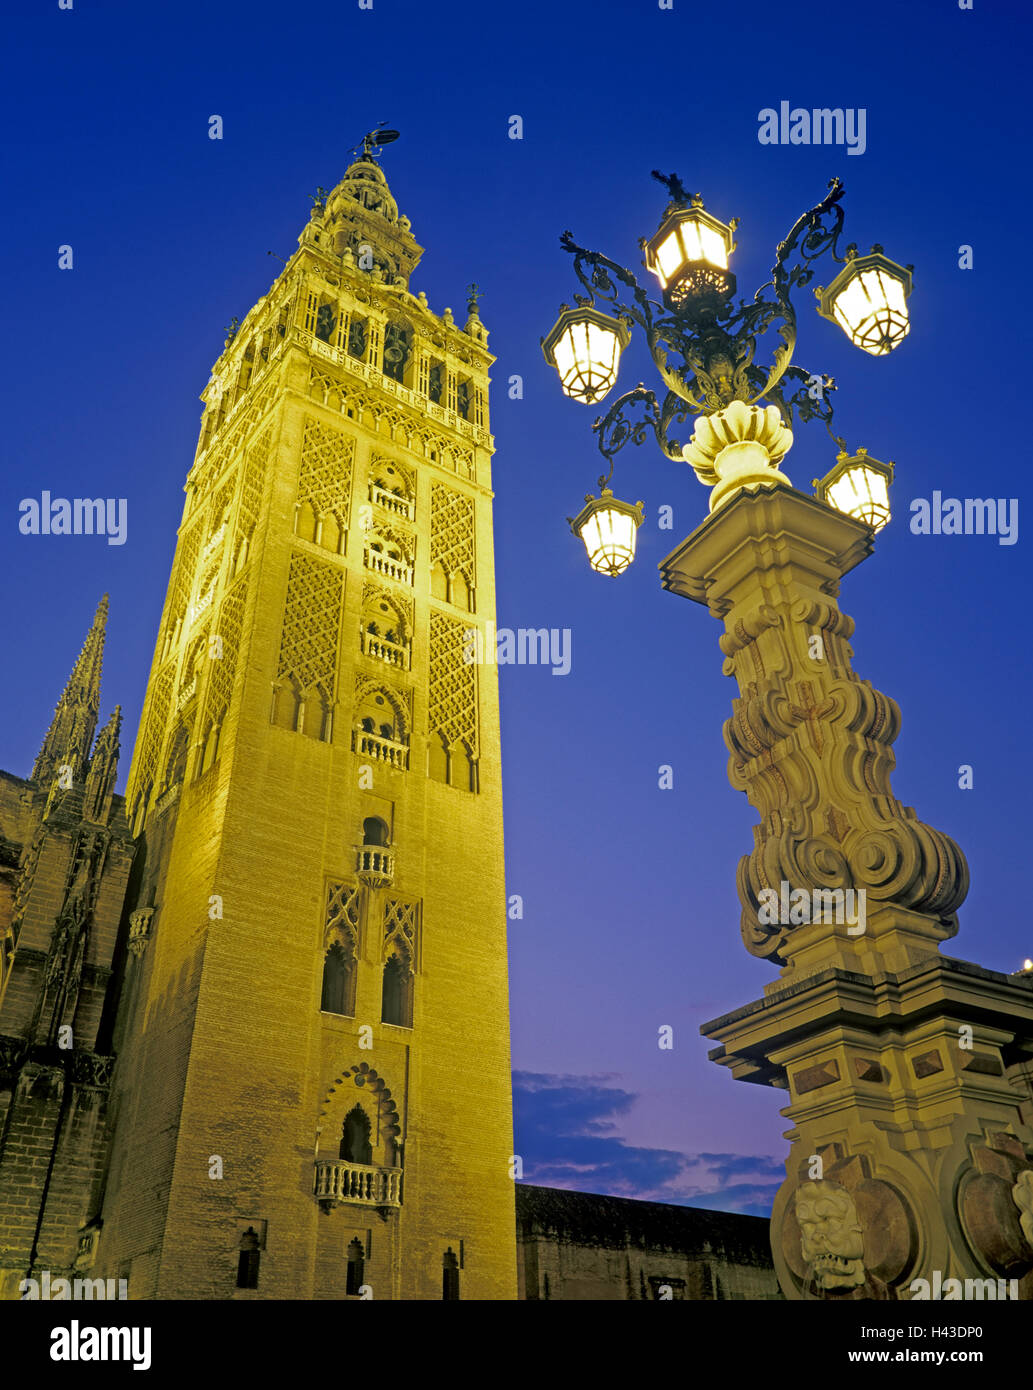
[[669, 257], [872, 311], [713, 247], [862, 493], [893, 292], [852, 305], [609, 537], [690, 240], [587, 357]]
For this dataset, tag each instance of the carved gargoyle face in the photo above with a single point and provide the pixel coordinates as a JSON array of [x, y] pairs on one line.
[[830, 1235]]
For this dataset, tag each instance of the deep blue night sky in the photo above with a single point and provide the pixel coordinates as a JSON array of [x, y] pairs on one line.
[[631, 915]]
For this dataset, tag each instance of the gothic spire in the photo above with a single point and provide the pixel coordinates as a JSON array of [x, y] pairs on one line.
[[100, 780], [71, 730]]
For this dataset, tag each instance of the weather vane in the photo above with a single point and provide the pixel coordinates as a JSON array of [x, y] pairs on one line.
[[372, 143]]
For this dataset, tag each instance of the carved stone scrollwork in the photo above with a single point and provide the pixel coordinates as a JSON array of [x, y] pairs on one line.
[[810, 742]]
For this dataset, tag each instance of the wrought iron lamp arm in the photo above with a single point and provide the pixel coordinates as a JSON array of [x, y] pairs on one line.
[[812, 399], [597, 274], [814, 233], [614, 429]]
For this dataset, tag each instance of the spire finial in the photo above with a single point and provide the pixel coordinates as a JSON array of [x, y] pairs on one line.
[[374, 142]]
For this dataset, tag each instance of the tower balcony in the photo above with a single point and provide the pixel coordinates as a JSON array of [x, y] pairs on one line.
[[388, 566], [384, 750], [390, 501], [338, 1180], [375, 866], [383, 650]]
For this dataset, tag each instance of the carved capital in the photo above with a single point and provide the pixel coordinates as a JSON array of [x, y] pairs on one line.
[[737, 448], [140, 930]]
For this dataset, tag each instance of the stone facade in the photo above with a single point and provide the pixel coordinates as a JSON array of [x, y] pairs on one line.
[[65, 858], [581, 1246]]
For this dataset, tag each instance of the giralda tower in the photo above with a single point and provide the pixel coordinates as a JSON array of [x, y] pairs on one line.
[[312, 1093]]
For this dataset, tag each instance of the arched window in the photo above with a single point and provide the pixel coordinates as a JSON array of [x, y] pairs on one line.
[[247, 1260], [305, 521], [462, 594], [356, 1265], [462, 768], [211, 748], [397, 347], [449, 1276], [438, 581], [286, 705], [436, 382], [437, 758], [314, 720], [338, 982], [374, 831], [330, 533], [397, 997], [177, 762], [326, 322], [355, 1143]]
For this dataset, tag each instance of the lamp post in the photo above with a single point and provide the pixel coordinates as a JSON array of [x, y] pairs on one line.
[[903, 1068]]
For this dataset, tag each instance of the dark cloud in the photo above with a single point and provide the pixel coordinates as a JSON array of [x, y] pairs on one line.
[[568, 1135]]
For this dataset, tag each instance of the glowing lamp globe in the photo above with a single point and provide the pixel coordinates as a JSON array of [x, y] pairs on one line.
[[859, 486], [868, 299], [608, 528], [689, 254], [585, 346]]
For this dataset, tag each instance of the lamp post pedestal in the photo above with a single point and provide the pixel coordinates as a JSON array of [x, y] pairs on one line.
[[912, 1145]]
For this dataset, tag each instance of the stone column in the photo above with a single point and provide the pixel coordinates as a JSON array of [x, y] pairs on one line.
[[906, 1071]]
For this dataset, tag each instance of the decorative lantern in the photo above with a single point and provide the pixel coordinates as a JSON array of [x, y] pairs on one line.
[[868, 299], [608, 528], [859, 486], [585, 345], [689, 254]]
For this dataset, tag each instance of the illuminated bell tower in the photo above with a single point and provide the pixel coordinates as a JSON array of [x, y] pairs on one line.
[[313, 1084]]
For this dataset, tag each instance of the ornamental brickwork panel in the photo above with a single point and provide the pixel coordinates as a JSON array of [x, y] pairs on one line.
[[452, 700], [452, 531], [325, 476], [311, 622], [228, 628], [342, 917], [251, 488]]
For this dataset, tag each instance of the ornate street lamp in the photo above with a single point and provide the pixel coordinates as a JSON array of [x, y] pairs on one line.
[[706, 347], [858, 1023], [868, 299], [608, 528], [689, 254], [585, 346], [859, 486]]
